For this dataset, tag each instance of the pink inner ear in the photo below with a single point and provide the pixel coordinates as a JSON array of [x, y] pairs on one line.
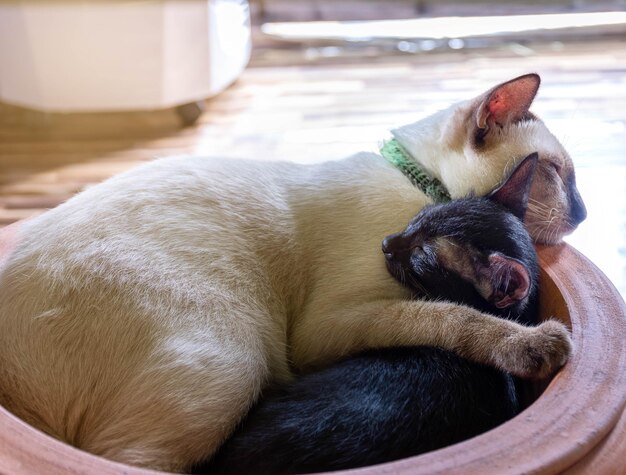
[[509, 101], [499, 107], [510, 280]]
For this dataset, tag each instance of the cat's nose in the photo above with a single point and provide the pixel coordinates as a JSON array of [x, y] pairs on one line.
[[578, 211]]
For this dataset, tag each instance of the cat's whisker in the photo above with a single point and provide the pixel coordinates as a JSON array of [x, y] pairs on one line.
[[532, 201], [418, 286], [540, 210], [542, 233], [549, 230], [536, 212], [548, 222]]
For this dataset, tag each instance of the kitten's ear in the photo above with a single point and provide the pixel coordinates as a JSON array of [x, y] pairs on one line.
[[507, 102], [503, 280], [513, 193]]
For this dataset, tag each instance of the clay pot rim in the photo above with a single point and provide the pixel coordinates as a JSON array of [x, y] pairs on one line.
[[549, 436]]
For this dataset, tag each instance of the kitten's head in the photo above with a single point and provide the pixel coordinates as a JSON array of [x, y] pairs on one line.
[[476, 143], [474, 251]]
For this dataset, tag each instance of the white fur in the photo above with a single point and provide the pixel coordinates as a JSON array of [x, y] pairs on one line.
[[140, 319], [434, 142]]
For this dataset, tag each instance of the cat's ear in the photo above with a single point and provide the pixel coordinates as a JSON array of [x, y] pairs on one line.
[[507, 102], [503, 281], [513, 193]]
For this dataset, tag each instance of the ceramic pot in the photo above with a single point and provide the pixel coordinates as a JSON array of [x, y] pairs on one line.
[[576, 425]]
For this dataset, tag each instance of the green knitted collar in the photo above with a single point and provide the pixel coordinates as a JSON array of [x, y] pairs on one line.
[[395, 154]]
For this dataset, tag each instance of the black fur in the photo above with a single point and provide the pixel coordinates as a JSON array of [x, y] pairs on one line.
[[383, 405], [478, 223], [392, 403]]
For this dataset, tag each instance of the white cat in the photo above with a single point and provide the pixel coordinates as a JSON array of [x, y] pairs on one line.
[[140, 319]]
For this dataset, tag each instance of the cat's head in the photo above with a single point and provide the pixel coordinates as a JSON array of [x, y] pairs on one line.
[[475, 144], [474, 250]]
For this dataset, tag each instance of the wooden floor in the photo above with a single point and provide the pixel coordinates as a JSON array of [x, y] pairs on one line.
[[314, 104]]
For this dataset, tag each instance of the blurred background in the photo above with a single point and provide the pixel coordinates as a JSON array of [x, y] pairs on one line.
[[91, 88]]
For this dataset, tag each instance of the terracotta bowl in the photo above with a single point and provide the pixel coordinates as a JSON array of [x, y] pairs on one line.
[[576, 425]]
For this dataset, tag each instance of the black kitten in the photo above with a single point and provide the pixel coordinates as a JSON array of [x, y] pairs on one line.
[[391, 403]]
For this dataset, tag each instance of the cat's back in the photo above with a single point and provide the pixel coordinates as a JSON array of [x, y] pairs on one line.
[[139, 282], [166, 218], [173, 192]]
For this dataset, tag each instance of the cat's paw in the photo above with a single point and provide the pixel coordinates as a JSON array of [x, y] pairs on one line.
[[537, 352]]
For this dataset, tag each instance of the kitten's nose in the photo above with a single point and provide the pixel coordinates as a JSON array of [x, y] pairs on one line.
[[387, 245], [393, 244]]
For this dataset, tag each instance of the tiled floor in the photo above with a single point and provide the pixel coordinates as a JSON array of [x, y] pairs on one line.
[[286, 106]]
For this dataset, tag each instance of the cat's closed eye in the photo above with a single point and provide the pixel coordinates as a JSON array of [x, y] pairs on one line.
[[554, 165]]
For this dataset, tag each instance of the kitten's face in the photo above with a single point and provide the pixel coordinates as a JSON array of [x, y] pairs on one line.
[[417, 258], [497, 129], [472, 251]]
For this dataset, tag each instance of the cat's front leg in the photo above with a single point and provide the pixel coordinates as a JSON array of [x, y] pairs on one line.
[[523, 351], [528, 352]]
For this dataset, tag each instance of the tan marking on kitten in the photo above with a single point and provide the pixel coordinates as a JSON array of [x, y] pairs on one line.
[[457, 258]]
